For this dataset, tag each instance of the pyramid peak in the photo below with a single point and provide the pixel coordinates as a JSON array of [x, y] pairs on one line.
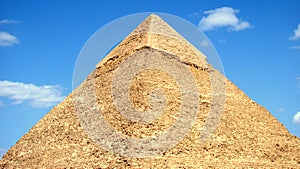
[[156, 25], [154, 16], [156, 33]]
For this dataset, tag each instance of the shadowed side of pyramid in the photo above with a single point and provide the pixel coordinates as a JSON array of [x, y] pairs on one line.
[[247, 135]]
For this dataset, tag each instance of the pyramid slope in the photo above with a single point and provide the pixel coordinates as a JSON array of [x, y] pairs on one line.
[[247, 135]]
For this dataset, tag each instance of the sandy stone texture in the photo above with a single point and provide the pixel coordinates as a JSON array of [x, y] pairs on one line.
[[247, 135]]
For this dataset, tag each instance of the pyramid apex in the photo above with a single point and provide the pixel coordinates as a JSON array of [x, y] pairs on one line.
[[156, 25], [156, 33], [154, 16]]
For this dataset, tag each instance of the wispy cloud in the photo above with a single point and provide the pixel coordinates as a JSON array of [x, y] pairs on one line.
[[7, 39], [37, 96], [222, 17], [296, 34], [2, 152], [296, 118], [296, 47], [204, 43], [8, 21], [222, 41], [298, 82], [281, 110], [194, 14]]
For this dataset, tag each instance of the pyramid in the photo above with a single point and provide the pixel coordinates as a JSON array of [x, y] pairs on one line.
[[94, 127]]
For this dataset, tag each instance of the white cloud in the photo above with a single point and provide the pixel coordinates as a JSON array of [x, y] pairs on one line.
[[296, 34], [7, 39], [37, 96], [296, 118], [204, 43], [222, 17], [8, 21], [2, 152]]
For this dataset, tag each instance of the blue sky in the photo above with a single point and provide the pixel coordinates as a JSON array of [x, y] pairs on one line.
[[257, 41]]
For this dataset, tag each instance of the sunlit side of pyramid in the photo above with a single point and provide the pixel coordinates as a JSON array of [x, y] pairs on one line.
[[247, 135]]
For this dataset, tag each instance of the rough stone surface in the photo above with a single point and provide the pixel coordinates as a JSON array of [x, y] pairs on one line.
[[247, 134]]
